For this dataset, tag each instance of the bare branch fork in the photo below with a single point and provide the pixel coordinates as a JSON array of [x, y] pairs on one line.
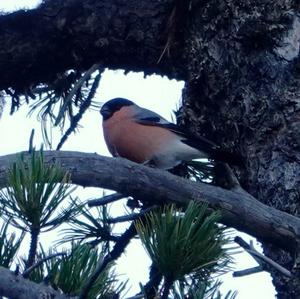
[[261, 259], [239, 209]]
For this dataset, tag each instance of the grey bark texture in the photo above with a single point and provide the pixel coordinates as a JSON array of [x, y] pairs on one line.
[[14, 286], [239, 209], [243, 90], [239, 59], [39, 44]]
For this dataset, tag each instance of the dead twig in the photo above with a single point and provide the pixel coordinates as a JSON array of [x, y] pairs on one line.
[[26, 273], [130, 217], [105, 200], [261, 259], [111, 256]]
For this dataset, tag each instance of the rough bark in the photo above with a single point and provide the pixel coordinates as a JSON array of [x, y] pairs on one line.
[[16, 287], [239, 209], [240, 60], [39, 44], [243, 92]]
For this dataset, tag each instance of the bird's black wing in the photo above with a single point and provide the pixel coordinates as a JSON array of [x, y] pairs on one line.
[[149, 118]]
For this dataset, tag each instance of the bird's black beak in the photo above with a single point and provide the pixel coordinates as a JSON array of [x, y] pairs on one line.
[[105, 112]]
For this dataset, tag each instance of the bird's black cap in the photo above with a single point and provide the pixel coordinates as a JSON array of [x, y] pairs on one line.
[[113, 105]]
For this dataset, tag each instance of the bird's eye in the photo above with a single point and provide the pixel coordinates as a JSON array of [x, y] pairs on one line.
[[105, 112]]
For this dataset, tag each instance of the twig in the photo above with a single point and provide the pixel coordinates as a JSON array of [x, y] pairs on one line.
[[152, 285], [139, 296], [166, 288], [272, 263], [233, 181], [249, 271], [130, 217], [261, 259], [176, 21], [125, 218], [136, 297], [225, 177], [113, 255], [26, 273], [84, 106], [75, 89], [246, 246], [105, 200], [31, 148]]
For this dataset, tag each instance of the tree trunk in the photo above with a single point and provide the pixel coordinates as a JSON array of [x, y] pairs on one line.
[[243, 91], [239, 60]]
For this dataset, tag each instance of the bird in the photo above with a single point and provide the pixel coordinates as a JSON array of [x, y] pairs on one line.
[[145, 137]]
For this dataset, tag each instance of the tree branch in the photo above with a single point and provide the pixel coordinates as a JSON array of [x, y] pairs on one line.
[[239, 210], [130, 217], [26, 273], [34, 233], [151, 287], [74, 120], [74, 34], [116, 252], [248, 271], [16, 287], [261, 259], [105, 200]]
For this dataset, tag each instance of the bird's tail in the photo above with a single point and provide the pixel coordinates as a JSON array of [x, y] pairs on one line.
[[214, 152]]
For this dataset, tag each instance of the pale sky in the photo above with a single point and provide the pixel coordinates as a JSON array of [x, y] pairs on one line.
[[154, 92]]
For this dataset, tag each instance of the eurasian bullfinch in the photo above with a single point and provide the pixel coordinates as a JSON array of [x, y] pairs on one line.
[[143, 136]]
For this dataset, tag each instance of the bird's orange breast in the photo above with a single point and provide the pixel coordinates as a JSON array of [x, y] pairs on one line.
[[131, 140]]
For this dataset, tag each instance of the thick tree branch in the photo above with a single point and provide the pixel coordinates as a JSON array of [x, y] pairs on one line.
[[239, 210], [38, 44], [16, 287]]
